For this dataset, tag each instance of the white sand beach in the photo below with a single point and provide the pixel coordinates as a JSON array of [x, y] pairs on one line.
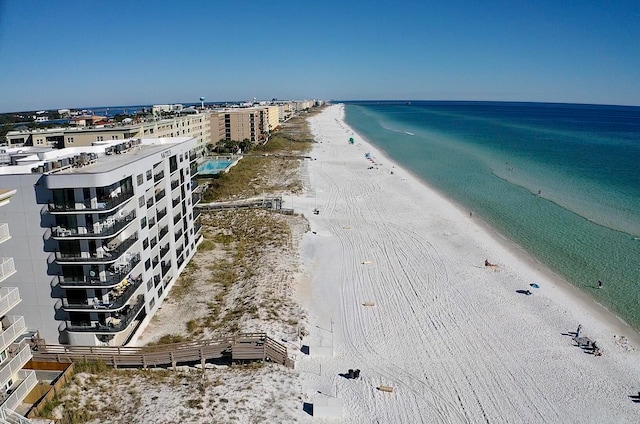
[[452, 337]]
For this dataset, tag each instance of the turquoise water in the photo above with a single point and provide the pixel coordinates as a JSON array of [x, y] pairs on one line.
[[214, 166], [494, 159]]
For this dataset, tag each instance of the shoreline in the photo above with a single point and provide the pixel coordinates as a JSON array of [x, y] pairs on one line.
[[578, 295], [459, 245]]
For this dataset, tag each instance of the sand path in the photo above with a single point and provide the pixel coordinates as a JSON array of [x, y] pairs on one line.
[[454, 338]]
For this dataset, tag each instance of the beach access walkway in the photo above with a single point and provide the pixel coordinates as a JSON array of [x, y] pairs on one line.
[[240, 348], [273, 203]]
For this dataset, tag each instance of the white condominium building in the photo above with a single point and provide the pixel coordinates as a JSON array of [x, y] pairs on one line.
[[16, 382], [101, 233]]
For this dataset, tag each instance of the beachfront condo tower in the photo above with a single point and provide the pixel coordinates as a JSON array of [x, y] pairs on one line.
[[15, 351], [100, 233]]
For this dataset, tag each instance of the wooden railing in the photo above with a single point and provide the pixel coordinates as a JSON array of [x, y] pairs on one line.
[[243, 347]]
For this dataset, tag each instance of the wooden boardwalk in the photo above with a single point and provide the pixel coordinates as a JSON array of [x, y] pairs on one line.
[[240, 348]]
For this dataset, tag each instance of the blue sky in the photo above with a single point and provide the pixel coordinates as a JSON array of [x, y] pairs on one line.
[[56, 54]]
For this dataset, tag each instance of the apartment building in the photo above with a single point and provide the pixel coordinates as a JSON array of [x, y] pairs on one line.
[[16, 383], [100, 234], [238, 124], [193, 125]]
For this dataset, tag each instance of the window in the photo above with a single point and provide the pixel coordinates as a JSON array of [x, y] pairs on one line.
[[147, 264], [152, 302], [149, 285], [149, 174], [99, 138], [114, 137], [141, 201], [140, 179], [70, 139], [143, 222], [145, 243]]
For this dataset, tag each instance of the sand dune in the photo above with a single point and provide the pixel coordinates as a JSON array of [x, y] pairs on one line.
[[455, 339]]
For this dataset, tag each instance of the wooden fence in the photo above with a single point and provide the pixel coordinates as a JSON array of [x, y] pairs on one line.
[[243, 347]]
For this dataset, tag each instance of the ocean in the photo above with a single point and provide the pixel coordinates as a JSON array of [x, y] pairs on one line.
[[560, 180]]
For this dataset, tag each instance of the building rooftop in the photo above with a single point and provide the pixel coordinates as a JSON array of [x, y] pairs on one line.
[[98, 158]]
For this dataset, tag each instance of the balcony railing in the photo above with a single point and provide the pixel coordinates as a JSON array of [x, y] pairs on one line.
[[195, 198], [101, 205], [19, 355], [197, 226], [178, 234], [157, 177], [165, 269], [175, 201], [110, 256], [152, 222], [149, 202], [174, 184], [117, 298], [13, 326], [180, 261], [7, 268], [194, 185], [154, 242], [156, 280], [9, 298], [26, 381], [4, 232], [192, 156], [116, 323], [177, 219], [196, 214], [104, 228], [164, 251], [112, 278]]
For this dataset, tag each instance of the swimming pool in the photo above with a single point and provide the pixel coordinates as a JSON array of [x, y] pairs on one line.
[[214, 166]]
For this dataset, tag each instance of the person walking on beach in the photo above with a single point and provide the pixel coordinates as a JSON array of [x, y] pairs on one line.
[[599, 284]]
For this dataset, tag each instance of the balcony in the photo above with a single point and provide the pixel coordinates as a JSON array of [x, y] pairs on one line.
[[197, 226], [112, 278], [175, 184], [163, 232], [118, 297], [7, 268], [97, 257], [18, 356], [178, 234], [177, 219], [4, 232], [165, 269], [159, 195], [195, 198], [101, 206], [192, 156], [12, 327], [175, 202], [193, 171], [149, 202], [194, 185], [105, 228], [9, 298], [152, 222], [164, 251], [116, 322], [161, 214], [157, 177], [157, 280], [26, 381], [196, 214]]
